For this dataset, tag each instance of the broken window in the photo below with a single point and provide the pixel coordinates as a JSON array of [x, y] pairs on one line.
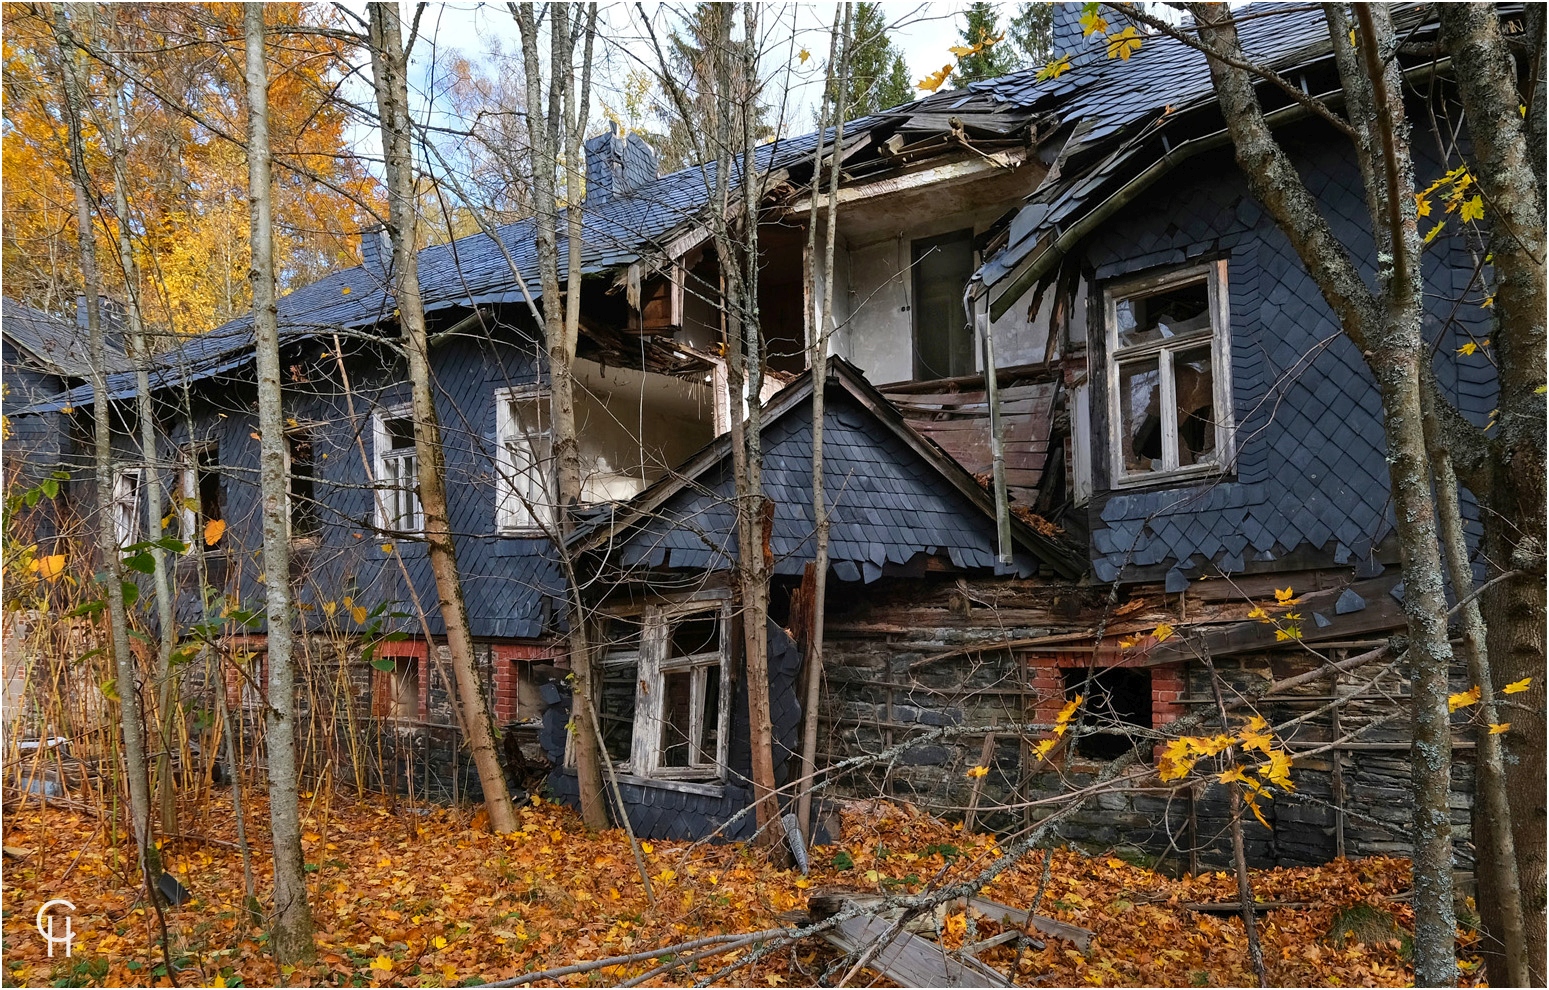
[[301, 468], [664, 705], [525, 501], [396, 693], [126, 505], [202, 495], [1168, 354], [943, 336], [397, 473], [1116, 698]]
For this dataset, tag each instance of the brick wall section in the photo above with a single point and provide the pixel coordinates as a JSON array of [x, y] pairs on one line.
[[406, 648], [506, 656], [1169, 682]]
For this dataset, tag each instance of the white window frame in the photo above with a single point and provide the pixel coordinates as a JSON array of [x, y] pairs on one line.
[[524, 502], [1219, 337], [651, 696], [386, 488], [126, 505], [188, 517]]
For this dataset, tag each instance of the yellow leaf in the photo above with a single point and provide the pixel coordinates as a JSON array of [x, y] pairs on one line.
[[1473, 209], [50, 568], [1496, 728], [439, 941], [383, 963], [1161, 632], [648, 848], [933, 82], [1434, 231], [387, 548], [219, 981], [1069, 710], [1287, 633], [1489, 301], [1422, 205], [213, 531], [804, 55], [1255, 724], [359, 613], [961, 51], [1124, 44], [345, 291], [1043, 748], [1254, 806], [977, 771], [1125, 644], [1260, 741], [449, 973], [1468, 348], [1115, 864], [775, 979], [1093, 23], [330, 607], [1257, 612], [1232, 775], [1054, 69], [1285, 596], [310, 836], [1517, 687], [1277, 771], [1463, 699]]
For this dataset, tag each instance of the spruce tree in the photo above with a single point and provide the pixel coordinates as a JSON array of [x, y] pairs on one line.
[[995, 59], [1030, 34], [879, 76]]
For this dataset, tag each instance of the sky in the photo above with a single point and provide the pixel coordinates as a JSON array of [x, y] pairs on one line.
[[922, 32]]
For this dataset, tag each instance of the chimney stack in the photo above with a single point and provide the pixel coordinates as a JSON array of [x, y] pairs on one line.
[[376, 251], [617, 164]]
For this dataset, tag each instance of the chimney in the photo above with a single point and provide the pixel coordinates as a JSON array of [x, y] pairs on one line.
[[1066, 36], [617, 164], [376, 251]]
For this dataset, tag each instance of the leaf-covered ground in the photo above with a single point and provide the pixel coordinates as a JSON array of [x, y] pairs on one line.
[[419, 898]]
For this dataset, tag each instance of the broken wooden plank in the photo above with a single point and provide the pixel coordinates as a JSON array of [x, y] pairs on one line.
[[1006, 915], [909, 960], [1233, 908]]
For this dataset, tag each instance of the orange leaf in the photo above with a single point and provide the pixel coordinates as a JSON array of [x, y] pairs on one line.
[[213, 531]]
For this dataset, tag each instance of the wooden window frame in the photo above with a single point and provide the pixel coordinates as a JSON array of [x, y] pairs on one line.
[[519, 512], [127, 505], [1219, 336], [381, 441], [650, 695], [189, 519]]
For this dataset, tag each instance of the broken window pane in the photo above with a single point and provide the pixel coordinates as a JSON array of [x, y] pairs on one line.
[[1194, 388], [677, 718], [695, 636], [1174, 312], [304, 519], [619, 649], [1140, 421]]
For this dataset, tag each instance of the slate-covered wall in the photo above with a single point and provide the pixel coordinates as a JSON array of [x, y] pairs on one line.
[[666, 812], [1310, 470]]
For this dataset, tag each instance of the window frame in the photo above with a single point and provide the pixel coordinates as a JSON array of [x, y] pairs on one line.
[[291, 434], [517, 512], [653, 665], [919, 249], [189, 519], [1218, 336], [126, 505], [381, 453]]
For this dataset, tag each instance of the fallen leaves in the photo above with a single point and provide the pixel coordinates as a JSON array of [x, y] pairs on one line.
[[422, 900]]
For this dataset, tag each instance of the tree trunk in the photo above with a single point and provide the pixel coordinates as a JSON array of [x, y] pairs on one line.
[[1388, 332], [140, 349], [389, 64], [292, 932], [1512, 489], [131, 718], [546, 127], [837, 84]]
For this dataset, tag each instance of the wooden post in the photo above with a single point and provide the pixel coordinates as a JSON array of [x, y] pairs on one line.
[[986, 754]]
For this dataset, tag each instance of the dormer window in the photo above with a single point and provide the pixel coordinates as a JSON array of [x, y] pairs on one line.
[[1169, 385]]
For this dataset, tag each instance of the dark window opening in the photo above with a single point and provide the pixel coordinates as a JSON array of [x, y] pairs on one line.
[[304, 519], [1115, 697], [207, 483], [619, 649], [943, 337]]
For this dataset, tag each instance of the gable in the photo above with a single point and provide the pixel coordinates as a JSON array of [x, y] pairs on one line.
[[887, 504]]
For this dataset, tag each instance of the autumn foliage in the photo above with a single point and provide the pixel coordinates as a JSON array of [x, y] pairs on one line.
[[419, 898], [187, 178]]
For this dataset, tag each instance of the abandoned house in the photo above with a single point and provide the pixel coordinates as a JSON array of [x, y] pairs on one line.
[[1081, 387]]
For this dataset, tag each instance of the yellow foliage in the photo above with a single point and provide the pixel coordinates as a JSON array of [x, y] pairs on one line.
[[1054, 69], [977, 771], [1496, 728], [1285, 596], [213, 531], [1162, 632], [1517, 687], [1124, 44], [1463, 699], [933, 82]]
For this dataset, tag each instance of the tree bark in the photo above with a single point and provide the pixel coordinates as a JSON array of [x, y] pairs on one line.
[[546, 128], [837, 84], [1387, 329], [389, 63], [140, 349], [291, 937], [1513, 492], [131, 718]]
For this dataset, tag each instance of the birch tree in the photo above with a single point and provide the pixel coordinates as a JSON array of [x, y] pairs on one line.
[[556, 125], [389, 64], [291, 934], [131, 718]]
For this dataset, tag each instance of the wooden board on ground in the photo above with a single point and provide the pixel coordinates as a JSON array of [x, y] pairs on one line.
[[909, 960], [995, 911]]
